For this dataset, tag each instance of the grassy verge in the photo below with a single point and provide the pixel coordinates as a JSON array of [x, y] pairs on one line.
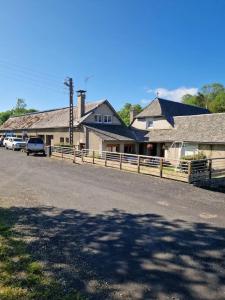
[[21, 277]]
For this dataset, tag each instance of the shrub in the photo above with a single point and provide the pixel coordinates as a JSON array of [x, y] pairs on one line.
[[198, 156]]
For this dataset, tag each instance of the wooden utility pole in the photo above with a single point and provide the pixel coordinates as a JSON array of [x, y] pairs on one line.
[[69, 82]]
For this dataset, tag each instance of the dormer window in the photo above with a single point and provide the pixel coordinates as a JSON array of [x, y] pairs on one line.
[[107, 119], [98, 118], [149, 124]]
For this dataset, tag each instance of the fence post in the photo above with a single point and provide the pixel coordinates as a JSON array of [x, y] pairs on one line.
[[189, 171], [138, 164], [74, 155], [161, 167], [210, 168], [82, 155], [62, 152], [93, 156], [105, 159], [120, 161]]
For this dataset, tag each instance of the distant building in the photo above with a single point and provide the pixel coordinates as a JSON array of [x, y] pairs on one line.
[[96, 126]]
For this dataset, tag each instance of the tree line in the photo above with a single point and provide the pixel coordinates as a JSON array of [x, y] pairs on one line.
[[19, 109], [210, 96]]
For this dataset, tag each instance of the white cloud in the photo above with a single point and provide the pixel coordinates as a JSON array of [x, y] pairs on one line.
[[145, 101], [175, 95]]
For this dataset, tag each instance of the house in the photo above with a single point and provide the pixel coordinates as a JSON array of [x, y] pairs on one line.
[[96, 126], [157, 119], [192, 134]]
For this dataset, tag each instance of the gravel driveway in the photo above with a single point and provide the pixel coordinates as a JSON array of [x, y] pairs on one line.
[[117, 235]]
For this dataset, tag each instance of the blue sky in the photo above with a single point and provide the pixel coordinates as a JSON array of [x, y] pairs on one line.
[[130, 48]]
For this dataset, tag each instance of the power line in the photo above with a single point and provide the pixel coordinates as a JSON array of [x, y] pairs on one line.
[[21, 73], [27, 69], [31, 82]]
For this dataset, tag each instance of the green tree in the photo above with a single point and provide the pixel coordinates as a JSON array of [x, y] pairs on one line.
[[124, 113], [196, 100], [218, 105], [4, 116], [19, 109], [212, 90], [206, 97]]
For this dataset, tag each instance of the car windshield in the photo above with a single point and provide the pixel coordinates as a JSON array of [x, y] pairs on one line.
[[35, 141], [17, 140]]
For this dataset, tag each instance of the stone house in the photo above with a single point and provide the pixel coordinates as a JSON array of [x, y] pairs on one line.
[[96, 126], [192, 134], [174, 130], [156, 123]]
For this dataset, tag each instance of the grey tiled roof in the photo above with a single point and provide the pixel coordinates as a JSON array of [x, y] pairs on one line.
[[48, 119], [208, 128], [161, 107], [112, 132]]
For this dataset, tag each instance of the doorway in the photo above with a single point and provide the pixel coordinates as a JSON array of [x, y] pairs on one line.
[[49, 139]]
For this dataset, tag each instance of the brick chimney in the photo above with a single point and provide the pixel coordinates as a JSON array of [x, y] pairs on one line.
[[80, 103], [133, 114]]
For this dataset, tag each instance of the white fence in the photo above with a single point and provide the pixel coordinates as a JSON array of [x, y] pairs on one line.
[[149, 165]]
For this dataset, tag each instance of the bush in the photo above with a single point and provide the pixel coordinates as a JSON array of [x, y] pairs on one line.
[[198, 156]]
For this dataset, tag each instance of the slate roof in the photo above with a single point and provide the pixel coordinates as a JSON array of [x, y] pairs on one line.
[[55, 118], [112, 132], [207, 128], [167, 108]]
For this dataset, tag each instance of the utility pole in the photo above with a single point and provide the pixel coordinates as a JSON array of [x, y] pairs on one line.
[[69, 83]]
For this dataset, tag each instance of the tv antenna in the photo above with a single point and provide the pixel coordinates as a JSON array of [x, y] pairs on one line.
[[86, 79]]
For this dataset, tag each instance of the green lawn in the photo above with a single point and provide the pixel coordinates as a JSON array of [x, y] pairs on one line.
[[21, 277]]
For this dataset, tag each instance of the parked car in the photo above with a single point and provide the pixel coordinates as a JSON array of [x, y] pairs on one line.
[[5, 140], [15, 143], [35, 145]]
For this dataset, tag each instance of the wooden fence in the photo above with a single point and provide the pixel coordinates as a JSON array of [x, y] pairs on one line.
[[177, 169], [149, 165], [207, 169]]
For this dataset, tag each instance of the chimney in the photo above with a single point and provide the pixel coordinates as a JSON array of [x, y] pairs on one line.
[[80, 103], [133, 114]]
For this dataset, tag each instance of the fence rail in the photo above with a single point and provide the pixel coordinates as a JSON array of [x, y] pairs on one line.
[[178, 169], [150, 165]]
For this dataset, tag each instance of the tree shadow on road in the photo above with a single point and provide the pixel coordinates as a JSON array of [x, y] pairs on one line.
[[126, 256]]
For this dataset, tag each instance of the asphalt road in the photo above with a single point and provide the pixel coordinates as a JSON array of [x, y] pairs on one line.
[[117, 235]]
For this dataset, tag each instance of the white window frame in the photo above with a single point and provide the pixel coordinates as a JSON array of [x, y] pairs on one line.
[[107, 118], [98, 118]]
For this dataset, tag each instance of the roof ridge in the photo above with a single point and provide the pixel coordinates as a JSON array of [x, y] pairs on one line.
[[202, 115], [180, 103], [54, 109]]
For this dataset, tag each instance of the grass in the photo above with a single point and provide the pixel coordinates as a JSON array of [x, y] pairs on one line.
[[21, 277]]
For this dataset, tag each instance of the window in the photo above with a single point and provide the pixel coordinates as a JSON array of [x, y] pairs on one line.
[[107, 119], [129, 148], [62, 140], [35, 141], [67, 140], [113, 148], [98, 118], [149, 123]]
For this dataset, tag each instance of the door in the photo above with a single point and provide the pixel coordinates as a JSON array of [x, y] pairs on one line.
[[49, 139]]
